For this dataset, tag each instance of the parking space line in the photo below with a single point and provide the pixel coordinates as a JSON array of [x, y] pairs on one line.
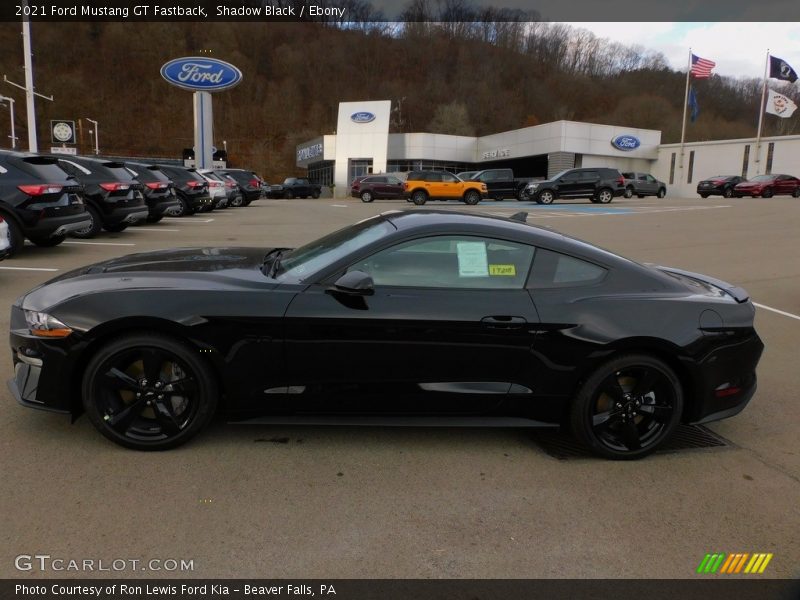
[[775, 310], [100, 243], [188, 221], [26, 269], [339, 205], [152, 229]]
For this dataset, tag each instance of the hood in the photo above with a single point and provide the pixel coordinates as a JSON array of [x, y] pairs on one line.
[[180, 269], [752, 184]]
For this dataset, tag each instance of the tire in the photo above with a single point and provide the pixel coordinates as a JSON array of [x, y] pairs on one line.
[[472, 197], [237, 201], [15, 236], [93, 229], [640, 195], [154, 420], [315, 194], [629, 191], [545, 197], [154, 218], [366, 197], [49, 242], [766, 193], [419, 197], [521, 195], [796, 193], [288, 194], [183, 208], [661, 193], [615, 420], [116, 228], [704, 195], [604, 196], [728, 192]]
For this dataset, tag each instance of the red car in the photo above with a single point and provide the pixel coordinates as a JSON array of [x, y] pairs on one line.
[[373, 187], [767, 186]]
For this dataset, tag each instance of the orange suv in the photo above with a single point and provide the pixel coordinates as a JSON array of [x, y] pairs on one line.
[[421, 186]]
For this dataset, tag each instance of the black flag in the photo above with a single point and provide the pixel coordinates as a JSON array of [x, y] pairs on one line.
[[780, 69]]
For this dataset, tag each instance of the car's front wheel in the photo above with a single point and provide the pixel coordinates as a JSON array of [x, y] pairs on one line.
[[472, 197], [545, 197], [627, 407], [766, 193], [661, 193], [629, 191], [148, 392]]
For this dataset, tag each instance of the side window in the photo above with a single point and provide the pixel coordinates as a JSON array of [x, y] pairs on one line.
[[574, 176], [433, 177], [394, 181], [553, 269], [650, 178], [628, 175], [451, 262]]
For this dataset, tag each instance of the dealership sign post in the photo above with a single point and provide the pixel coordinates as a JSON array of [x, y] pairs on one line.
[[202, 75]]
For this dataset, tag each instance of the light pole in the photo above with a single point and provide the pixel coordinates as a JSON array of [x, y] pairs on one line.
[[11, 112], [96, 134]]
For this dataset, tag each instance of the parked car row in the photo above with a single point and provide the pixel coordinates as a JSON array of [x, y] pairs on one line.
[[734, 186], [46, 198]]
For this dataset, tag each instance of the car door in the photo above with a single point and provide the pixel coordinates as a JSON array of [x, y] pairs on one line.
[[394, 188], [569, 185], [650, 185], [449, 327], [451, 186]]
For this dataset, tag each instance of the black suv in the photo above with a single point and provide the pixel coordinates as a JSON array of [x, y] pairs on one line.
[[38, 200], [113, 198], [249, 183], [191, 189], [598, 184], [158, 191]]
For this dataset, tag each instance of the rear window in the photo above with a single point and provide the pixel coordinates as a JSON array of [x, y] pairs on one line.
[[119, 172], [43, 168]]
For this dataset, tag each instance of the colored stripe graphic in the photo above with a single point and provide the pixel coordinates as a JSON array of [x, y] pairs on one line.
[[735, 563]]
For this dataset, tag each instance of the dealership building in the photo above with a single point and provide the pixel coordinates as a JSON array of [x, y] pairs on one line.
[[362, 144]]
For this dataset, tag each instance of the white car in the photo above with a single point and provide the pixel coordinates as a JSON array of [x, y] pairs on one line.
[[5, 242], [216, 187]]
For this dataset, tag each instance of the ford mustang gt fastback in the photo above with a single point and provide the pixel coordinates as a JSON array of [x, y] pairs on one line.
[[407, 317]]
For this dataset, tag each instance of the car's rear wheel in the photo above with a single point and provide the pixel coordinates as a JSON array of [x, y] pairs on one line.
[[766, 193], [94, 226], [366, 197], [604, 196], [545, 197], [522, 195], [704, 195], [629, 191], [183, 208], [48, 242], [419, 197], [661, 193], [628, 407], [472, 197], [15, 237], [728, 192], [148, 392], [237, 201]]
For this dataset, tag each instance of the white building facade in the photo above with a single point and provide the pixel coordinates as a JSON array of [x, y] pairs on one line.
[[362, 144]]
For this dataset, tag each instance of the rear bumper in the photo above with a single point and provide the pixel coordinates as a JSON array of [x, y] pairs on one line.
[[57, 226], [127, 214]]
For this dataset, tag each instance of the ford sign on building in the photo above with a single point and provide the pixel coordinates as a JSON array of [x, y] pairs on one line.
[[626, 142], [201, 74], [362, 117]]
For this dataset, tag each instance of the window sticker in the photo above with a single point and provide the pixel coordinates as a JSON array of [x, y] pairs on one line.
[[503, 270], [472, 261]]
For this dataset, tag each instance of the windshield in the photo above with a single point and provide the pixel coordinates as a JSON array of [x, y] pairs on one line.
[[763, 178], [559, 174], [310, 258]]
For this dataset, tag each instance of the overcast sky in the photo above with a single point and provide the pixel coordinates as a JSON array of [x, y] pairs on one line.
[[739, 49]]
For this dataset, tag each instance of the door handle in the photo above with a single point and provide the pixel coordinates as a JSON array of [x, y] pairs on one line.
[[503, 322]]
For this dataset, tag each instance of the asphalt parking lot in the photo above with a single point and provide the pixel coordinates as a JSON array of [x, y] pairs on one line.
[[291, 502]]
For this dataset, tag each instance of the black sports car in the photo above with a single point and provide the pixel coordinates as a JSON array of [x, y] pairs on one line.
[[405, 318]]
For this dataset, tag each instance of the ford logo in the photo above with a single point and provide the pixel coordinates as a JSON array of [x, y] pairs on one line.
[[362, 117], [201, 74], [626, 142]]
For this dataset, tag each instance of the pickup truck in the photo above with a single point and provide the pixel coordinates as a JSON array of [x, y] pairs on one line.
[[294, 187], [643, 184], [501, 183]]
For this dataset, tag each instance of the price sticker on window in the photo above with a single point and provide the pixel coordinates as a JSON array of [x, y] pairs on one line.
[[472, 261], [503, 270]]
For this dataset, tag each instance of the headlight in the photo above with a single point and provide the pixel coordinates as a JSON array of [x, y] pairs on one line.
[[43, 325]]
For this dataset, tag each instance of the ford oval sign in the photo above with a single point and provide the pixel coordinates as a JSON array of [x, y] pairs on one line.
[[362, 117], [201, 74], [626, 143]]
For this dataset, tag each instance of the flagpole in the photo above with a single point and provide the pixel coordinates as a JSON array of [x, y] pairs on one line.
[[685, 102], [761, 116]]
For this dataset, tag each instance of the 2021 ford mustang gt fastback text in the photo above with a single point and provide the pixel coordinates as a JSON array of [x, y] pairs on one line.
[[438, 315]]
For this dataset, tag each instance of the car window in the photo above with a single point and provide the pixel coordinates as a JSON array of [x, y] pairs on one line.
[[628, 175], [450, 262], [650, 178], [394, 181], [553, 269], [432, 177], [574, 176], [449, 177]]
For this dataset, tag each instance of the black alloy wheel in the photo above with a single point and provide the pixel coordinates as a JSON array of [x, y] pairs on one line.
[[728, 192], [472, 197], [628, 407], [148, 392], [629, 191], [94, 226], [237, 201], [604, 196], [183, 208], [315, 194]]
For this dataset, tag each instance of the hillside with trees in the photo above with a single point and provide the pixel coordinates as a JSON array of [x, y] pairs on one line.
[[485, 74]]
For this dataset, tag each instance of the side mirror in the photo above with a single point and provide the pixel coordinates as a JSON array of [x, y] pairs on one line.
[[355, 283]]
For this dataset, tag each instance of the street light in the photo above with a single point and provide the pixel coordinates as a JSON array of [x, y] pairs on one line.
[[96, 134], [11, 112]]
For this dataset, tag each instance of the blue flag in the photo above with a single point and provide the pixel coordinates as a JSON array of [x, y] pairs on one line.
[[693, 105]]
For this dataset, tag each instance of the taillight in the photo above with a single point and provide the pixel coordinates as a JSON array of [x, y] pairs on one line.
[[356, 185], [38, 190], [621, 180], [230, 184], [215, 184], [195, 184], [115, 187], [156, 186], [254, 182]]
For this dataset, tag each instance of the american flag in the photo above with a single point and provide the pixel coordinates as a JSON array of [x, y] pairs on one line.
[[701, 67]]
